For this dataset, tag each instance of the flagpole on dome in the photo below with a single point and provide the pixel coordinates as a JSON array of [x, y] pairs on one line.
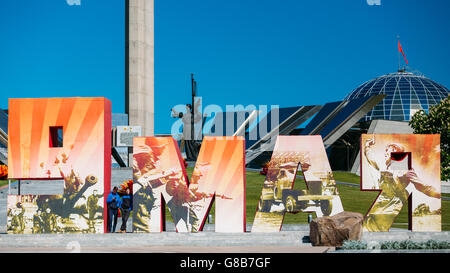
[[400, 50]]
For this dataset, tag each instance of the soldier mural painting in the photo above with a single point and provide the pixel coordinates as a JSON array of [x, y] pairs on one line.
[[57, 213]]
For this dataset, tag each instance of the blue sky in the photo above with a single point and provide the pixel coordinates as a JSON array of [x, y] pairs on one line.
[[260, 52]]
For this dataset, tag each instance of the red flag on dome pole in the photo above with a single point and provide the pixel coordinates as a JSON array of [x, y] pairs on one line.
[[401, 50]]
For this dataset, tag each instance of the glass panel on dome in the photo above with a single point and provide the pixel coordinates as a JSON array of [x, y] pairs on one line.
[[397, 100], [397, 107], [389, 92], [436, 96], [388, 103], [416, 106], [443, 93], [403, 82], [397, 113], [423, 99], [378, 107], [378, 86], [431, 99], [414, 97], [387, 114], [428, 85], [405, 92], [415, 82], [406, 111], [420, 91], [364, 91], [378, 113], [391, 83]]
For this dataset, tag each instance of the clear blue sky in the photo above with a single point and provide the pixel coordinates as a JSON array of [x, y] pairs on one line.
[[287, 53]]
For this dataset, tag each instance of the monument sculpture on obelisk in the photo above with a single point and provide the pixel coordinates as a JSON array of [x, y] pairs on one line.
[[139, 64]]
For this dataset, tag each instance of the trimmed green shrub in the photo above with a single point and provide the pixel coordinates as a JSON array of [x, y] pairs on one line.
[[354, 245]]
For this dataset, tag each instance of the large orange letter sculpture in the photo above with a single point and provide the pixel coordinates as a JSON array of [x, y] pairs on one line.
[[402, 168], [160, 176], [60, 138], [278, 196]]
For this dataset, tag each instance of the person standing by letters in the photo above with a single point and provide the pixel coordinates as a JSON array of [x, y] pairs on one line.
[[125, 207], [113, 202]]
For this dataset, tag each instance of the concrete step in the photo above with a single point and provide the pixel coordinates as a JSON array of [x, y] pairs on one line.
[[205, 239]]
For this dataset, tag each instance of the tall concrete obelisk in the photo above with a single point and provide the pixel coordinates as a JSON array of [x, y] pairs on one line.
[[139, 68]]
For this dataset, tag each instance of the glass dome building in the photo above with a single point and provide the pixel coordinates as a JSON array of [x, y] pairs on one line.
[[405, 92]]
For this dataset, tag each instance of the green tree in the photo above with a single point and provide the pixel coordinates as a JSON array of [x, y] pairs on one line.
[[436, 122]]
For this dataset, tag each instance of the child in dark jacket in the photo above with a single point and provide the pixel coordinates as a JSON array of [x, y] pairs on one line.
[[126, 205]]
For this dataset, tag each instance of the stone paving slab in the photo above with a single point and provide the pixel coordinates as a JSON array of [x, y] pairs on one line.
[[169, 249]]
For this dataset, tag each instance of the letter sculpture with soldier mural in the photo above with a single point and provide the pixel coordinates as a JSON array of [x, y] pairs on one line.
[[65, 139], [278, 196], [160, 176], [405, 169]]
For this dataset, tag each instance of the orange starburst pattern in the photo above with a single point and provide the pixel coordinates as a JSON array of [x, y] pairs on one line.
[[3, 172]]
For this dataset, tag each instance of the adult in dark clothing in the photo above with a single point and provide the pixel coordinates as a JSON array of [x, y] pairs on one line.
[[126, 205], [113, 202]]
